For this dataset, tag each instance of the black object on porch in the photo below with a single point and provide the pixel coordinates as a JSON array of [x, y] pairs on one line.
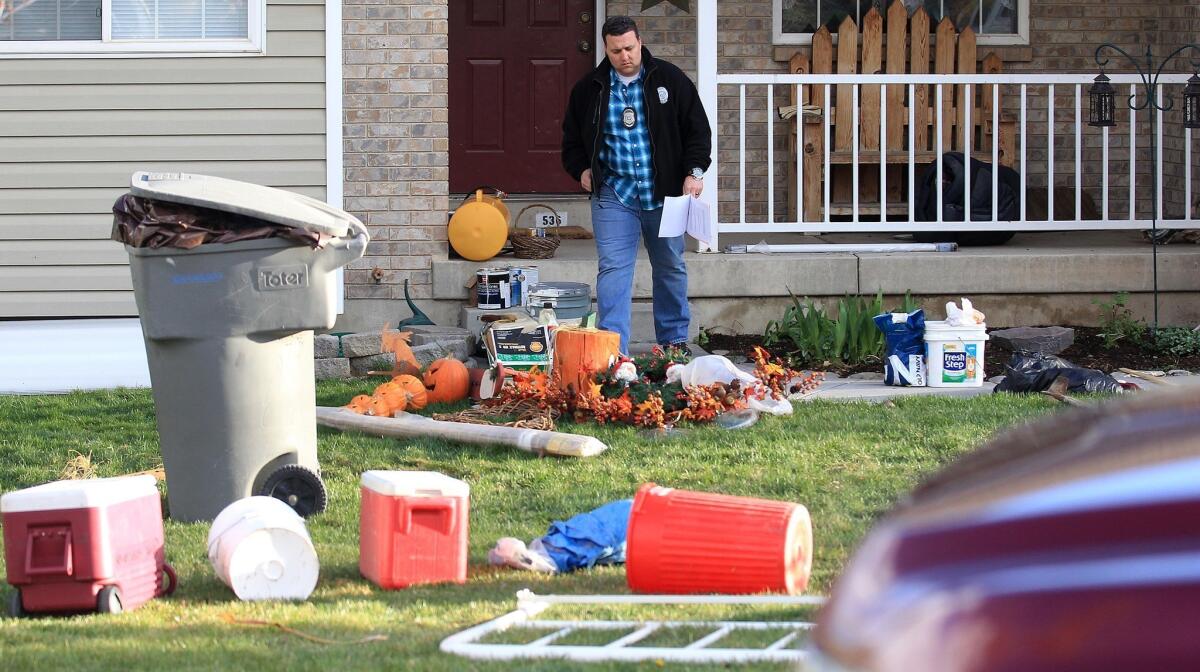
[[954, 184]]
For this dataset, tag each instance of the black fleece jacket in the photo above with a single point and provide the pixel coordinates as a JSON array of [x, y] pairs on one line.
[[680, 138]]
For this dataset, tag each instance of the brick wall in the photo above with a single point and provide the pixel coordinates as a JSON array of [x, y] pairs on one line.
[[1063, 37], [396, 141]]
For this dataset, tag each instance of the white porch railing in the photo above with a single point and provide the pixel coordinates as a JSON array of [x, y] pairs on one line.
[[1018, 90]]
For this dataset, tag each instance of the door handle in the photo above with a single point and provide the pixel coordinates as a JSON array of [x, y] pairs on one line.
[[584, 46], [585, 17]]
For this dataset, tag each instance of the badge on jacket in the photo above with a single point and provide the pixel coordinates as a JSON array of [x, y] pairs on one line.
[[662, 95]]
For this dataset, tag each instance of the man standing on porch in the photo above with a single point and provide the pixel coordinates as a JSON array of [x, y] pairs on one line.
[[634, 133]]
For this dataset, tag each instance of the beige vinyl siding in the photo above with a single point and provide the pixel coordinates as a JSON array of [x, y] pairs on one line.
[[73, 130]]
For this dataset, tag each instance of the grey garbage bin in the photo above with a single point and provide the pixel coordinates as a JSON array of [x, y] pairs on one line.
[[228, 333]]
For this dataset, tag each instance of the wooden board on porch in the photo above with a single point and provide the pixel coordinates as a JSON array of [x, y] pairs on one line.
[[899, 45]]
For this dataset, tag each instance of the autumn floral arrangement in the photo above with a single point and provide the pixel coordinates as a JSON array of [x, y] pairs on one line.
[[641, 390]]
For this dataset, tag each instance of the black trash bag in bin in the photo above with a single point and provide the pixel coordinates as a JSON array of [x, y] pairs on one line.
[[954, 185], [1035, 372], [146, 222]]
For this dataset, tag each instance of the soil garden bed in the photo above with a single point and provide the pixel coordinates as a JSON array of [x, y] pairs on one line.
[[1087, 351]]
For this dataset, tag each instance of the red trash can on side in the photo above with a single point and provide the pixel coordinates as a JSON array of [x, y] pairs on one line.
[[682, 542]]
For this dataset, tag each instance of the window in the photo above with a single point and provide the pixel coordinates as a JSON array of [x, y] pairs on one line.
[[35, 28], [994, 21]]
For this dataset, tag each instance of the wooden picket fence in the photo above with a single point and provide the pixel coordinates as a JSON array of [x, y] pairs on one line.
[[901, 45]]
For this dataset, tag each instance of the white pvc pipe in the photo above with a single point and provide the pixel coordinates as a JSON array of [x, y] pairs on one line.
[[857, 247]]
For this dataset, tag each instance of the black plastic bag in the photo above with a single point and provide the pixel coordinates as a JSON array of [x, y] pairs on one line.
[[954, 186], [1035, 372], [146, 222]]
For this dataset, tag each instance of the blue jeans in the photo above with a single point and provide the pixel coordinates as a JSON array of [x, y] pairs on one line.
[[617, 228]]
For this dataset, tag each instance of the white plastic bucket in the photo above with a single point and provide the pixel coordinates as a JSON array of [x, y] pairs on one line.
[[260, 548], [954, 355]]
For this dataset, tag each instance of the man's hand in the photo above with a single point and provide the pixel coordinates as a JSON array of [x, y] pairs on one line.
[[692, 186], [585, 180]]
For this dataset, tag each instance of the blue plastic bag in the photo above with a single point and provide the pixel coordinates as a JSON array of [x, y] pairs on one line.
[[588, 539], [904, 347]]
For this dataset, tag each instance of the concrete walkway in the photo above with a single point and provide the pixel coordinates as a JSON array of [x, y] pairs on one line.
[[846, 389]]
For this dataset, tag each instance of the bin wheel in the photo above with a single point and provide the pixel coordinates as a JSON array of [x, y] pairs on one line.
[[297, 486], [16, 608], [171, 580], [108, 601]]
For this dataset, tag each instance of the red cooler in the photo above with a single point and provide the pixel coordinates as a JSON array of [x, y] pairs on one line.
[[413, 528], [90, 545]]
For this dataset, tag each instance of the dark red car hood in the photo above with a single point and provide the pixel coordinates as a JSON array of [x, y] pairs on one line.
[[1072, 543]]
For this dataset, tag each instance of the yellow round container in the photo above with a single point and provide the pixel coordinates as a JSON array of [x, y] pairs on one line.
[[479, 227]]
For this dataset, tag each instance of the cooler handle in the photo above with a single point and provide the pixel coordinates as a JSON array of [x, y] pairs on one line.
[[448, 506], [65, 565]]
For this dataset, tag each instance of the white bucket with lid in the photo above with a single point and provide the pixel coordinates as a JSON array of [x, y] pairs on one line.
[[954, 355], [260, 548]]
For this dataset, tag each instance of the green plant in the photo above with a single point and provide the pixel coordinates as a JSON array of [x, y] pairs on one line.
[[702, 337], [1117, 322], [811, 336], [1177, 341]]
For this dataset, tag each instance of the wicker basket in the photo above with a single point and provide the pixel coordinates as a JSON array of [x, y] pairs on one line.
[[531, 246]]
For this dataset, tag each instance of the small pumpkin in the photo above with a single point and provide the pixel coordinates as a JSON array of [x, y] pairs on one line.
[[447, 380], [359, 404], [385, 387], [396, 398], [380, 407], [414, 391]]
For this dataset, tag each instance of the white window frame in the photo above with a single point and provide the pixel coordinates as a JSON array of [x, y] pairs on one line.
[[1020, 38], [106, 47]]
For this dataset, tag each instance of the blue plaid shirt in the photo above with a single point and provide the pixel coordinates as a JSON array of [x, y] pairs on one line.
[[629, 166]]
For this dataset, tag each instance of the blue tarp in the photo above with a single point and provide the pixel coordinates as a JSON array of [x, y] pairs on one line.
[[587, 539]]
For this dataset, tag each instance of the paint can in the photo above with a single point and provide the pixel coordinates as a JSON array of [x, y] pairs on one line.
[[570, 300], [492, 289], [519, 280]]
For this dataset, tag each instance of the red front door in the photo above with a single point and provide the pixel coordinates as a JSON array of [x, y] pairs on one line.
[[512, 66]]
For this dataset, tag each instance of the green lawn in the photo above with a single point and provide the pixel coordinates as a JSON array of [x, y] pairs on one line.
[[846, 462]]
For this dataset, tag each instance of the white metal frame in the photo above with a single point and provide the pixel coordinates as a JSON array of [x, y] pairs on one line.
[[255, 43], [1017, 84], [1020, 38], [529, 606]]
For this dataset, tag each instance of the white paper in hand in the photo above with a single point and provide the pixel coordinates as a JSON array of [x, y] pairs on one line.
[[674, 216], [686, 214], [699, 222]]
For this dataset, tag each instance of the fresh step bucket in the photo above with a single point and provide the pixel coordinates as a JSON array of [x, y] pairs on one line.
[[954, 355], [260, 548]]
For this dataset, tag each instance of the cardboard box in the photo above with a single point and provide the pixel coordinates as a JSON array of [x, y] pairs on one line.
[[521, 344]]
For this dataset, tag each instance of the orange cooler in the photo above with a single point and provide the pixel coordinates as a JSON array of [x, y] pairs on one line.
[[413, 528], [695, 542]]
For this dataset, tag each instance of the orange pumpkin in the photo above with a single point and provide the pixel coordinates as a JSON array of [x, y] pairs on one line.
[[385, 387], [414, 391], [359, 404], [396, 398], [447, 381], [380, 407]]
